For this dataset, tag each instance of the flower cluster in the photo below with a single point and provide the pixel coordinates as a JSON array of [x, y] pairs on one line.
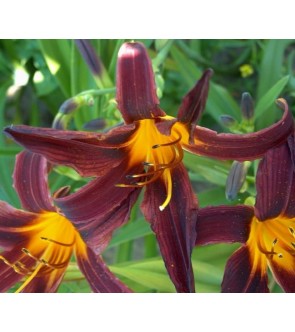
[[146, 153]]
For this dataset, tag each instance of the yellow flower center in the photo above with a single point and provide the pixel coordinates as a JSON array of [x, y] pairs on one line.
[[275, 239], [51, 241], [158, 153]]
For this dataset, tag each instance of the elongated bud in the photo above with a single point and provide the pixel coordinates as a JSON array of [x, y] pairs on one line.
[[236, 179], [247, 106], [136, 89], [90, 57]]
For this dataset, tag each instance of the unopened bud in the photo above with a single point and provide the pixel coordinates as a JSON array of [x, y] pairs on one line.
[[236, 179], [247, 106], [90, 57], [136, 89]]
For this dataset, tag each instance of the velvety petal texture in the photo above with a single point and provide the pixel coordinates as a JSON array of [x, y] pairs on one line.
[[242, 147], [275, 183], [82, 151], [100, 207], [241, 277], [174, 226], [135, 85], [223, 224], [100, 278], [193, 103], [12, 223], [30, 182]]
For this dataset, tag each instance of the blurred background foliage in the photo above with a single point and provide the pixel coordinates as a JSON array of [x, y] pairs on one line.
[[37, 77]]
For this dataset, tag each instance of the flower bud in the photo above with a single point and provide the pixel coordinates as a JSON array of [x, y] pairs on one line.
[[236, 179], [136, 89], [247, 106]]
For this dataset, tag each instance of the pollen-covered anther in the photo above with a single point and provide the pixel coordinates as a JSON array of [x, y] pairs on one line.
[[57, 242]]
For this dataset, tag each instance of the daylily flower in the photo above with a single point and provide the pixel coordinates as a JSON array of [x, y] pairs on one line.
[[38, 243], [267, 231], [146, 151]]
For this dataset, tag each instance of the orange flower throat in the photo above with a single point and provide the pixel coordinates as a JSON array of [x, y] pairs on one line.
[[158, 153]]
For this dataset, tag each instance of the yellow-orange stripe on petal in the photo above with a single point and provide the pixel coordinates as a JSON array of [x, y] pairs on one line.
[[273, 241], [51, 240], [156, 152]]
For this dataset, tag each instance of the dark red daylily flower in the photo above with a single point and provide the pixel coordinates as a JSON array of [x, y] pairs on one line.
[[267, 231], [39, 244], [146, 151]]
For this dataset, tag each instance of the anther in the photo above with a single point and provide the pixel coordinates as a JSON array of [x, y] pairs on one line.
[[291, 231], [57, 242], [293, 244], [280, 255]]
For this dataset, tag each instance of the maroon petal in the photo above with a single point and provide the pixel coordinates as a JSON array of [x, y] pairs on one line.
[[90, 154], [12, 223], [274, 183], [45, 283], [136, 89], [174, 226], [100, 207], [8, 276], [241, 277], [223, 224], [30, 182], [242, 147], [290, 202], [193, 103], [284, 277], [100, 278]]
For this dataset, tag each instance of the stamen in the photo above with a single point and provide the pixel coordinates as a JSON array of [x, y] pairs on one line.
[[156, 146], [291, 230], [293, 244], [57, 242], [169, 193]]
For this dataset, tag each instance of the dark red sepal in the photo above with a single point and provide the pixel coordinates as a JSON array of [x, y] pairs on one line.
[[100, 278], [242, 147], [174, 226], [239, 276], [274, 183], [223, 224], [194, 101], [100, 207], [30, 182]]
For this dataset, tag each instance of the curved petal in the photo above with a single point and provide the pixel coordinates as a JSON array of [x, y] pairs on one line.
[[242, 147], [30, 182], [274, 182], [175, 226], [45, 283], [223, 224], [8, 275], [100, 207], [194, 101], [100, 278], [241, 277], [88, 153], [285, 275], [12, 224]]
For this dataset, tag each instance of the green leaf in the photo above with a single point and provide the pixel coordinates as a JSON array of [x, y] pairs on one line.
[[219, 101], [150, 273], [57, 53], [131, 231], [268, 99]]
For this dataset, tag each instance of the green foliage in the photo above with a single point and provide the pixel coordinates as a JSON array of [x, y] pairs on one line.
[[54, 71]]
